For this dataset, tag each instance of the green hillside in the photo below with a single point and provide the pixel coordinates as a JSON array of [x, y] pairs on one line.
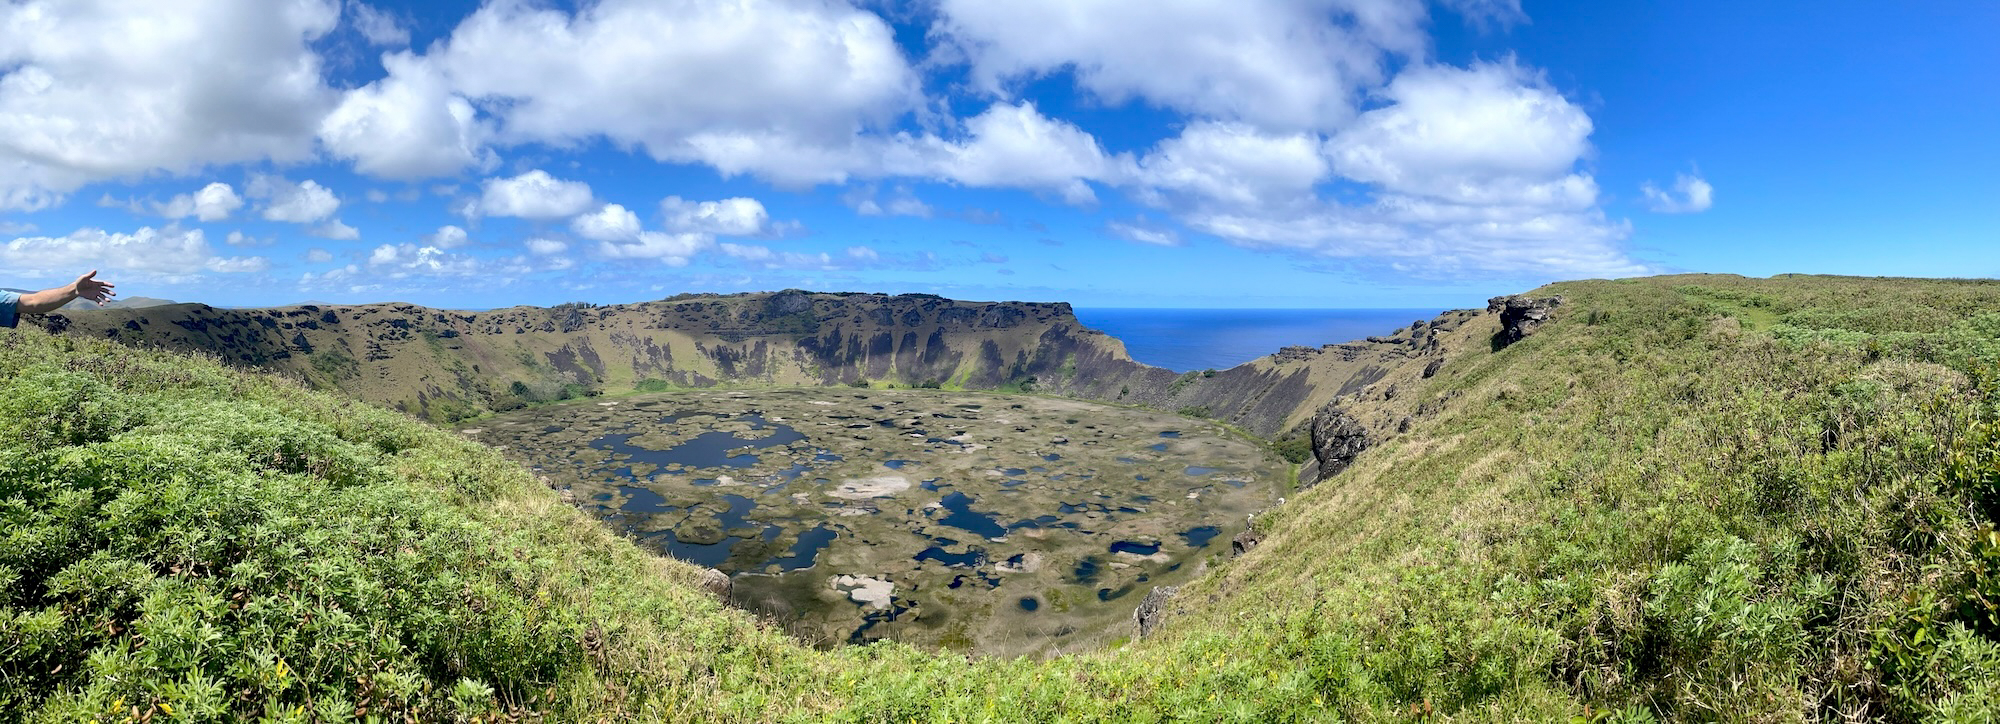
[[1682, 498]]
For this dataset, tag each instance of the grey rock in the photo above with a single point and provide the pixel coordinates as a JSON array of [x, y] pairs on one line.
[[1431, 370], [718, 583], [1152, 608]]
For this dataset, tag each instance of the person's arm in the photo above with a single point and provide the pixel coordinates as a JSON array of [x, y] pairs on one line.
[[49, 300]]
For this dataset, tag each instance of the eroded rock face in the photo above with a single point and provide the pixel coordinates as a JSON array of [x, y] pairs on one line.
[[1520, 316], [1152, 608], [1337, 438]]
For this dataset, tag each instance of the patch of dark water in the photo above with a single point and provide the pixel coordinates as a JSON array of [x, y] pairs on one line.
[[826, 457], [708, 450], [1198, 537], [897, 607], [1170, 433], [1198, 471], [1035, 522], [1086, 570], [963, 517], [643, 500], [931, 484], [896, 464], [977, 577], [1051, 457], [971, 557], [803, 551], [1014, 471], [1135, 548], [1106, 594], [1038, 469], [711, 554], [553, 428], [1029, 604], [1011, 483], [1161, 447]]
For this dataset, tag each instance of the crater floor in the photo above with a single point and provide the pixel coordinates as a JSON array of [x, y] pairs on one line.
[[1000, 524]]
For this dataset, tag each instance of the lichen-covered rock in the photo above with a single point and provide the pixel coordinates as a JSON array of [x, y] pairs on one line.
[[718, 583], [1520, 316], [1151, 609], [1337, 438]]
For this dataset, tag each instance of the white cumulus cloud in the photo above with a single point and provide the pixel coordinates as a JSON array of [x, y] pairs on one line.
[[299, 203], [407, 125], [98, 90], [671, 249], [1287, 64], [213, 202], [674, 77], [738, 216], [1691, 194], [534, 195], [1014, 145], [612, 222], [335, 230], [169, 254], [448, 237], [378, 26]]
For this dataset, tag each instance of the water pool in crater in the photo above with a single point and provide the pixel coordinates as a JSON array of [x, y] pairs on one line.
[[1068, 504]]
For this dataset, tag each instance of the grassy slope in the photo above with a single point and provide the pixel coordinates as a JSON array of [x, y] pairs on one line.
[[1682, 499]]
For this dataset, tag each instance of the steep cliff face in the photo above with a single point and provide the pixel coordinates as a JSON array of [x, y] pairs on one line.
[[446, 364]]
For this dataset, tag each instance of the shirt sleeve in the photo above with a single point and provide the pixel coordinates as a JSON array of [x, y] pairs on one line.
[[10, 309]]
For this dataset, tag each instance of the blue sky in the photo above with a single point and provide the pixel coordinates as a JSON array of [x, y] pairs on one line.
[[1305, 153]]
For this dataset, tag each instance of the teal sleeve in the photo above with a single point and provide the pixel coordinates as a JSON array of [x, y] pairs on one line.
[[10, 309]]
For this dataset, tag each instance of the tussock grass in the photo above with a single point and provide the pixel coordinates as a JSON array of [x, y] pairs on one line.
[[1686, 498]]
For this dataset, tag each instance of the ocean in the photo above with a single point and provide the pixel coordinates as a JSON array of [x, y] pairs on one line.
[[1183, 340]]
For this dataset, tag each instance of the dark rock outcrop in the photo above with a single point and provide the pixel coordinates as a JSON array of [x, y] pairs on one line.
[[1152, 608], [1337, 437], [1520, 316], [1244, 541]]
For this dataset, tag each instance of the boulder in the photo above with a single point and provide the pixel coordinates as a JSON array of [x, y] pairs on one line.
[[718, 583], [1337, 438], [1152, 608], [1520, 316], [1431, 370], [1245, 541]]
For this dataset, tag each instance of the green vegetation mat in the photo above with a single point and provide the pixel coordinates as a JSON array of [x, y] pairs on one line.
[[1688, 498]]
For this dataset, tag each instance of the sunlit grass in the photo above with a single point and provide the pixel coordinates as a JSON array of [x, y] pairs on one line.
[[1684, 499]]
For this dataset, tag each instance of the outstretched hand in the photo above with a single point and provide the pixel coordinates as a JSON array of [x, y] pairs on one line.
[[89, 287]]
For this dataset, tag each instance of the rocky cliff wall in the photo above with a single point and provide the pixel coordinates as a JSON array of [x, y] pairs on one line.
[[444, 364]]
